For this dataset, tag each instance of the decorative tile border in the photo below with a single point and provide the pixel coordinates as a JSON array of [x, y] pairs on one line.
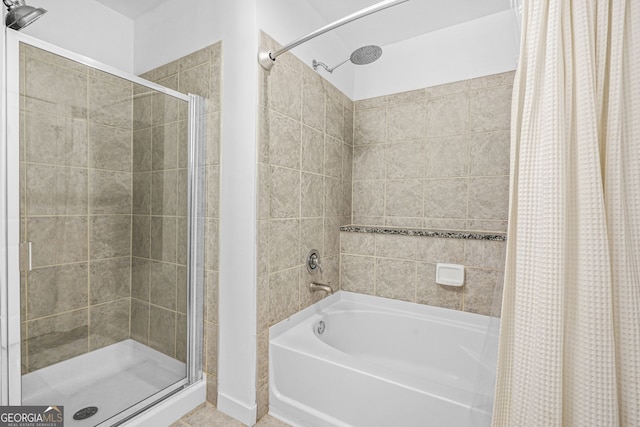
[[499, 237]]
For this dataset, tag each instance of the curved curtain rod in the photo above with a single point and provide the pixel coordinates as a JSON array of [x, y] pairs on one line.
[[267, 58]]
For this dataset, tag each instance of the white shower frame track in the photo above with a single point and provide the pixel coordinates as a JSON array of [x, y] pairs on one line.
[[10, 339]]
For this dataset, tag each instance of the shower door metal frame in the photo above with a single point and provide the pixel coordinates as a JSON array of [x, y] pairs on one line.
[[10, 337]]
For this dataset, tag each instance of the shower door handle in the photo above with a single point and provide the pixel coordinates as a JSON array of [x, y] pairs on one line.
[[26, 261]]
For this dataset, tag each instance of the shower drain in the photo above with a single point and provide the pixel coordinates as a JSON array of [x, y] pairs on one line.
[[85, 413]]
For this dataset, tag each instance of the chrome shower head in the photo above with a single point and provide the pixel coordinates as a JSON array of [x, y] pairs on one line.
[[20, 14], [366, 54], [361, 56]]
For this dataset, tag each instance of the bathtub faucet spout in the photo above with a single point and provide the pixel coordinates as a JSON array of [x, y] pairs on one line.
[[314, 287]]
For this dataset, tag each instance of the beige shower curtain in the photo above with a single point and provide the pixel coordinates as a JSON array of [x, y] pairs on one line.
[[570, 335]]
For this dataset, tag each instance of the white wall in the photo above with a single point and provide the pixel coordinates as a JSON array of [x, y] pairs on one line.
[[476, 48], [286, 21], [238, 212], [165, 34], [175, 29], [88, 28]]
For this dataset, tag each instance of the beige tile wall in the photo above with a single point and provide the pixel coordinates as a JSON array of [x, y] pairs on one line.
[[435, 158], [75, 207], [161, 295], [158, 264], [404, 268], [304, 194]]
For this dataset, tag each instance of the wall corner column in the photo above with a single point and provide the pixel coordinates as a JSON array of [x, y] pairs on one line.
[[238, 210]]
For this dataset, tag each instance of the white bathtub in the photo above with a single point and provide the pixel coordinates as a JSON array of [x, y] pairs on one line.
[[382, 362]]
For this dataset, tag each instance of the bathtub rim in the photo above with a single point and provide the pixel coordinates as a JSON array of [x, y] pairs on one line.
[[388, 305]]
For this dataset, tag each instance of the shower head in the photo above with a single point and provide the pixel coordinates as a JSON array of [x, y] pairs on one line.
[[20, 14], [366, 55], [361, 56]]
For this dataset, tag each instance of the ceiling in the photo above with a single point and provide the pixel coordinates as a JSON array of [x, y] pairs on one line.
[[397, 23], [131, 8]]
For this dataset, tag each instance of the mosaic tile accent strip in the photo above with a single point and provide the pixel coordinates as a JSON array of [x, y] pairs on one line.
[[425, 233]]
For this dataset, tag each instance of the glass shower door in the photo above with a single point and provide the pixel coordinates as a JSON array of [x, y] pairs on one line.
[[105, 247]]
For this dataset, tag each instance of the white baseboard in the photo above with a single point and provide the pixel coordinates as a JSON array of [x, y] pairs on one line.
[[243, 413]]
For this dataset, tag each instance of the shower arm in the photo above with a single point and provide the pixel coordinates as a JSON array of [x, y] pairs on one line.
[[267, 58], [317, 64]]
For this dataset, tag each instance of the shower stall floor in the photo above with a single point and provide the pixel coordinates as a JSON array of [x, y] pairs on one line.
[[112, 378]]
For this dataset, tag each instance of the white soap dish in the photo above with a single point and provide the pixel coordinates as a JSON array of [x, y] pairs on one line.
[[450, 274]]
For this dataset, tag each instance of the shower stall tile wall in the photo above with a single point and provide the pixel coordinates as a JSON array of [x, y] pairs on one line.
[[304, 195], [101, 167], [159, 281], [76, 201], [159, 256]]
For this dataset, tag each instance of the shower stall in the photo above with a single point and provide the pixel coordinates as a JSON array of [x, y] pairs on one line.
[[102, 305]]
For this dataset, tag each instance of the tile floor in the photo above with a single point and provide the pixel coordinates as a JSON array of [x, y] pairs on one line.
[[208, 416]]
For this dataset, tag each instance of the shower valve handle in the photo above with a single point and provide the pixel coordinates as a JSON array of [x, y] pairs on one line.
[[313, 262]]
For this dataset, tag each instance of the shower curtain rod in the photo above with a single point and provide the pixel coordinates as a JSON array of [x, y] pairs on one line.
[[267, 58]]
